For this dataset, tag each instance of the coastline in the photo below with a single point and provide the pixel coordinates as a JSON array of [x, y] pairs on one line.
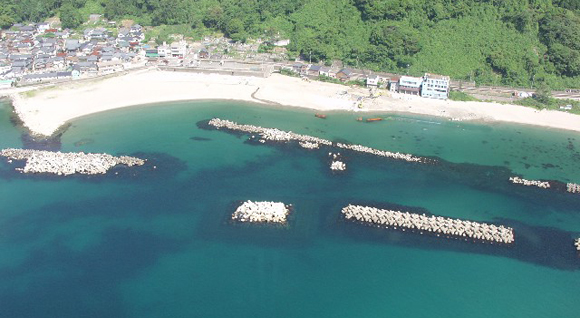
[[45, 110]]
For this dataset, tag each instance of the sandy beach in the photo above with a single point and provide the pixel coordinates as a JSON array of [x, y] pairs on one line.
[[45, 110]]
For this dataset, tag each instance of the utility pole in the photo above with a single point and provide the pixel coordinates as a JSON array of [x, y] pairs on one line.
[[310, 58]]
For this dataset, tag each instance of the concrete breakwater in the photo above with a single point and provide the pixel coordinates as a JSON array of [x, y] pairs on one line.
[[269, 134], [337, 166], [381, 153], [261, 212], [60, 163], [336, 163], [536, 183], [437, 225], [308, 142], [552, 185], [573, 187]]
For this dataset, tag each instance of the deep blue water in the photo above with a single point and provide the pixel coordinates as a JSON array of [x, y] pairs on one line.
[[156, 242]]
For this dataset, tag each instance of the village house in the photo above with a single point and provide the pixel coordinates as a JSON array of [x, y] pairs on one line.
[[6, 83], [109, 67], [163, 50], [435, 86], [179, 49], [72, 45], [344, 74], [203, 54], [410, 85], [373, 81], [325, 71], [314, 70]]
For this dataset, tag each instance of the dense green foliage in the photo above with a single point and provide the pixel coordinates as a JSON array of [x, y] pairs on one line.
[[462, 96], [509, 42]]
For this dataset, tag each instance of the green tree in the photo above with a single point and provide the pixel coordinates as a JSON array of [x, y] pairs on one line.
[[70, 16], [6, 21]]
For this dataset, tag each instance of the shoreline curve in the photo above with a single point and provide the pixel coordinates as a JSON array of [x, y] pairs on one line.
[[45, 110]]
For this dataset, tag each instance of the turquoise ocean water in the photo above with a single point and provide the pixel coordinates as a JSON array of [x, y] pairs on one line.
[[155, 242]]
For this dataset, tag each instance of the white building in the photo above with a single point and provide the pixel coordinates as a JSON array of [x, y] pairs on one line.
[[435, 86], [179, 49], [6, 83], [373, 81], [410, 85], [163, 50]]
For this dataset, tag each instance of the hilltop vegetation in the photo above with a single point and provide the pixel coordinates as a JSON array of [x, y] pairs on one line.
[[507, 42]]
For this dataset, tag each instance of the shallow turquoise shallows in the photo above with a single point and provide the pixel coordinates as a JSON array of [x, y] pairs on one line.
[[157, 242]]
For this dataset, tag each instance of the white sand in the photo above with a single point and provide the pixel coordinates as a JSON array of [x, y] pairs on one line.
[[48, 109]]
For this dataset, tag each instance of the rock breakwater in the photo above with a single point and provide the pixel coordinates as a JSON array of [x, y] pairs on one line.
[[437, 225], [535, 183], [337, 166], [381, 153], [309, 142], [261, 212], [61, 163]]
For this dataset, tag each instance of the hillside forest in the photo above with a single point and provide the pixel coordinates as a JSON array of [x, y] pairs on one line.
[[522, 43]]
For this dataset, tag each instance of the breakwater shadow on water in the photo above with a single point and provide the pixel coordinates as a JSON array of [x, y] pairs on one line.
[[494, 179], [537, 245]]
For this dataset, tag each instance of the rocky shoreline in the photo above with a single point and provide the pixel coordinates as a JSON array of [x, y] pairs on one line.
[[436, 225], [64, 164]]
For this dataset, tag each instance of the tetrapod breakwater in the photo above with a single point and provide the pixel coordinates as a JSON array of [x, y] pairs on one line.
[[67, 163], [573, 187], [422, 223], [308, 142], [261, 212]]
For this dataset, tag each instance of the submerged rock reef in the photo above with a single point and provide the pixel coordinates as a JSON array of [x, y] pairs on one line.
[[437, 225], [262, 212], [64, 164]]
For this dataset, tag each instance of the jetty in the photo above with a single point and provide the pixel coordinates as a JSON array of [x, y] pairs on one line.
[[262, 212], [535, 183], [67, 163], [436, 225], [308, 142]]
